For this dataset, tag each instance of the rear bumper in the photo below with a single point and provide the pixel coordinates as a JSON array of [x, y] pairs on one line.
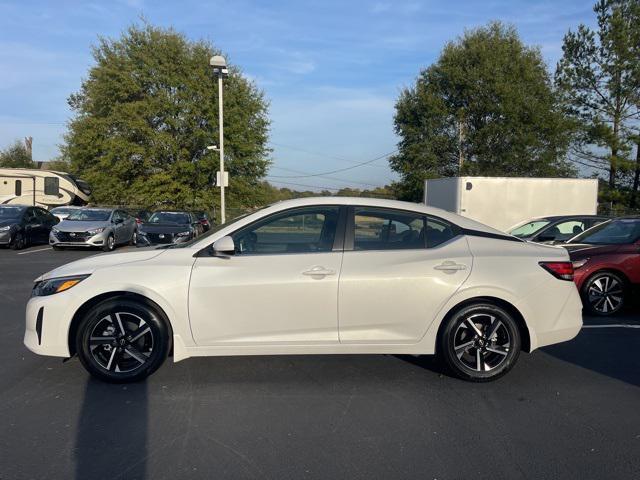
[[567, 324]]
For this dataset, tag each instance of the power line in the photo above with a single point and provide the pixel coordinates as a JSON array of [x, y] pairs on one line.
[[332, 157], [328, 178], [321, 174]]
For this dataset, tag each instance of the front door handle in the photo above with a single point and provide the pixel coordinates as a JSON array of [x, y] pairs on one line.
[[449, 266], [318, 271]]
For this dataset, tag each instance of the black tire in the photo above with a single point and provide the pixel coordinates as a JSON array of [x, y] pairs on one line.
[[108, 354], [109, 244], [19, 241], [472, 353], [134, 238], [604, 293]]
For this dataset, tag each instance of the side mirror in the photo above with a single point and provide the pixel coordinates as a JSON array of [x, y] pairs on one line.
[[224, 246], [117, 221]]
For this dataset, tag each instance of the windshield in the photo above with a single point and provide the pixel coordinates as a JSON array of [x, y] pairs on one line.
[[62, 210], [11, 213], [530, 228], [614, 232], [177, 218], [86, 215]]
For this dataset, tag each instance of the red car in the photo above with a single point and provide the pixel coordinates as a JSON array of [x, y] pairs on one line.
[[606, 260]]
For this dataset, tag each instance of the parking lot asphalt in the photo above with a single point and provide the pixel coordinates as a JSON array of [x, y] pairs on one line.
[[567, 411]]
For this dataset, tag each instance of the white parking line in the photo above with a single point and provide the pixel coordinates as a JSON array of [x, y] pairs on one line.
[[34, 251], [613, 325]]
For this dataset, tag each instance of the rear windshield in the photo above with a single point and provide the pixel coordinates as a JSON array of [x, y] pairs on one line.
[[176, 218], [615, 232], [86, 215]]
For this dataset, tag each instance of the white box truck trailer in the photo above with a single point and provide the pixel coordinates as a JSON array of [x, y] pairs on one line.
[[503, 202]]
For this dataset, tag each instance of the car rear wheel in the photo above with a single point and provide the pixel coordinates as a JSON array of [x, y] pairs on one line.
[[109, 244], [481, 342], [604, 293], [122, 341]]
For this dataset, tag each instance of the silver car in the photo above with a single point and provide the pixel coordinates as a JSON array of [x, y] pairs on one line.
[[94, 227]]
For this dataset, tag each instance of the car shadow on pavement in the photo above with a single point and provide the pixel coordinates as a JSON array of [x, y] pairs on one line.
[[609, 351], [111, 441]]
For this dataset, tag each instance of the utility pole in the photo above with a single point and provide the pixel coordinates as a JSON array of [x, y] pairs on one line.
[[28, 145], [219, 65]]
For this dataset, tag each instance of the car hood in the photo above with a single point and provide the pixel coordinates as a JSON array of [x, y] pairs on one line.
[[89, 265], [163, 228], [79, 226], [581, 250], [7, 223]]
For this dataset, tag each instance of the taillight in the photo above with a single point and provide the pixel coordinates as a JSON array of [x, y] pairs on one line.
[[561, 270], [138, 221]]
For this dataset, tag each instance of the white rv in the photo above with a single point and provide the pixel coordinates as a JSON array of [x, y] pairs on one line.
[[42, 188], [503, 202]]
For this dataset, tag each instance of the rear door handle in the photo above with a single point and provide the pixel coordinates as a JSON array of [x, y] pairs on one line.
[[450, 266], [318, 271]]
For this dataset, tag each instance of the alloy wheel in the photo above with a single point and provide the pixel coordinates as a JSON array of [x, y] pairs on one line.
[[605, 294], [481, 342], [121, 342]]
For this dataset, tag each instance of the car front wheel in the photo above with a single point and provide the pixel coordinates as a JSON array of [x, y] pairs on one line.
[[481, 342], [604, 293], [122, 340], [19, 241], [109, 244]]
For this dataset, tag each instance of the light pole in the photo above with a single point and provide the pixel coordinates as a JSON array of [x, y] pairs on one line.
[[220, 71]]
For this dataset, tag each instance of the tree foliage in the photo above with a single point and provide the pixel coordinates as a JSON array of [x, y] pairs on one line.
[[145, 115], [598, 77], [16, 156], [487, 103]]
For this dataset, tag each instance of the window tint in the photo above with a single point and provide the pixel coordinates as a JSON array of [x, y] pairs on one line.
[[18, 188], [384, 229], [51, 186], [529, 228], [438, 232], [564, 230], [304, 230]]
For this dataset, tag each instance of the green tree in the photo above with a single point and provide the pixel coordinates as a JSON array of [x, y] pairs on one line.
[[598, 79], [16, 156], [485, 107], [145, 115]]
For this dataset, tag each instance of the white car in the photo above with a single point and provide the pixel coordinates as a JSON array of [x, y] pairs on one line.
[[313, 276]]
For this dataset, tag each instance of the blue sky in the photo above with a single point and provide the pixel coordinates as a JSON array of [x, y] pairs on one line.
[[331, 70]]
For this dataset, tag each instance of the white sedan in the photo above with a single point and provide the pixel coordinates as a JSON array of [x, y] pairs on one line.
[[312, 276]]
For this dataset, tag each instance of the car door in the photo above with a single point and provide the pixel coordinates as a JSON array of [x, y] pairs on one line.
[[281, 285], [119, 228], [45, 222], [31, 226], [399, 269], [130, 226]]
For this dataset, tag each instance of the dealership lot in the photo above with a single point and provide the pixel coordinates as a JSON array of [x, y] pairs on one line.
[[567, 411]]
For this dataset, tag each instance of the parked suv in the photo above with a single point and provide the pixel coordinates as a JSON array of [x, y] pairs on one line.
[[94, 227]]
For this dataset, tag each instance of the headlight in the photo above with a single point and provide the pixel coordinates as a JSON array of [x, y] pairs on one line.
[[183, 234], [5, 229], [579, 263], [95, 231], [55, 285]]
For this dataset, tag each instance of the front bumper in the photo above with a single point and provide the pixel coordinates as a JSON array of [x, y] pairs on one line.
[[47, 325], [146, 240], [5, 237], [95, 241]]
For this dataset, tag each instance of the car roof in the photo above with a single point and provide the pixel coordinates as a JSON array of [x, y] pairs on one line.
[[463, 222]]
